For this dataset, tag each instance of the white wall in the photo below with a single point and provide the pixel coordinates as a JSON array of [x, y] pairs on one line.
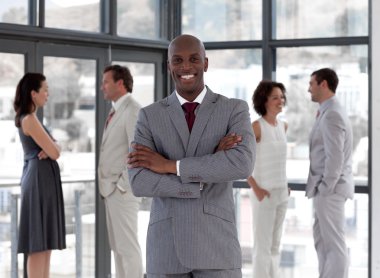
[[375, 270]]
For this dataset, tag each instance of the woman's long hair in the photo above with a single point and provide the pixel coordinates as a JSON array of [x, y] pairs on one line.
[[23, 103]]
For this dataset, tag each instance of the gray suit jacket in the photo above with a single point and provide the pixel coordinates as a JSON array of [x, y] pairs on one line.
[[117, 137], [191, 228], [331, 152]]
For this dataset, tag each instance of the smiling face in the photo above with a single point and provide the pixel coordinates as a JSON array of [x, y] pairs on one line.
[[275, 102], [40, 97], [187, 63]]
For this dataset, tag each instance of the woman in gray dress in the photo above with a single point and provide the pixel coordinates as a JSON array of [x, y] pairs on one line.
[[42, 218]]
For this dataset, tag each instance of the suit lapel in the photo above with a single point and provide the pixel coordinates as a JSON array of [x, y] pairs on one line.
[[318, 120], [202, 117], [116, 117], [178, 118]]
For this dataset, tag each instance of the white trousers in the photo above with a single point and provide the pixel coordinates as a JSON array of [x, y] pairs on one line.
[[121, 214], [329, 236], [268, 219]]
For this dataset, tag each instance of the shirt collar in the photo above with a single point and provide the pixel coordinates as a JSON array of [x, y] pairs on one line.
[[323, 106], [198, 99], [117, 104]]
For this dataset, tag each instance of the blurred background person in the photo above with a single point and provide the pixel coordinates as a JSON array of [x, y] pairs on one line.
[[42, 217], [269, 182], [121, 205], [330, 180]]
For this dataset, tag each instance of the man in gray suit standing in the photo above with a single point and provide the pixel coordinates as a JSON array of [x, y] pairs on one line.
[[330, 180], [188, 167], [121, 205]]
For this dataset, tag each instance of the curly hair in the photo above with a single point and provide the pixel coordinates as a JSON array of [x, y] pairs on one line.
[[262, 92]]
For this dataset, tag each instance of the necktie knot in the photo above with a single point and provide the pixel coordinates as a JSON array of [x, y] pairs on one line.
[[189, 108], [110, 115]]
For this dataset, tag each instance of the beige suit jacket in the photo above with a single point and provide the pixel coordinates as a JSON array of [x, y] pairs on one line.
[[117, 137]]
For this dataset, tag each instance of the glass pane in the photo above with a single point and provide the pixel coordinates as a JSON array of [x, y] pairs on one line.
[[324, 18], [70, 115], [234, 73], [298, 257], [11, 154], [14, 11], [138, 19], [143, 81], [143, 92], [82, 15], [222, 20], [294, 66]]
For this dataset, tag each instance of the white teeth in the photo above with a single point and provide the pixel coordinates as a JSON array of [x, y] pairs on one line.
[[187, 76]]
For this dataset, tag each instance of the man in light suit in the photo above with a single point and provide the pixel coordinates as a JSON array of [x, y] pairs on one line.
[[120, 203], [330, 180], [189, 172]]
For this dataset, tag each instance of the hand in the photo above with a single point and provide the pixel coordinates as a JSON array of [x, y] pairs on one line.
[[146, 158], [42, 155], [228, 141], [261, 193]]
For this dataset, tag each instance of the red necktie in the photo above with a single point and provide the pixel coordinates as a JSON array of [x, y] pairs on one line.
[[110, 115], [189, 108]]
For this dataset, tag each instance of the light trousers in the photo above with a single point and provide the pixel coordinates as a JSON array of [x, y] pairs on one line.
[[329, 237], [121, 214], [268, 219]]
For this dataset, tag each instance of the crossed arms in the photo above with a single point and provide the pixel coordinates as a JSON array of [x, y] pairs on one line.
[[151, 174]]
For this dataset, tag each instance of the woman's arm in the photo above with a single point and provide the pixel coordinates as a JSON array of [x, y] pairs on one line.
[[31, 126]]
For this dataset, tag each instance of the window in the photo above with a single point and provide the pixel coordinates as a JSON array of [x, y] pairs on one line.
[[138, 19], [234, 72], [222, 20], [15, 11], [81, 15], [324, 18], [11, 155], [294, 67]]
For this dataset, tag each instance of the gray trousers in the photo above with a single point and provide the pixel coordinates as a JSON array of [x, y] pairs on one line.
[[225, 273], [329, 238]]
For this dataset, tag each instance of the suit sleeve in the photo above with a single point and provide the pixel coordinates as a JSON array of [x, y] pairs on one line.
[[333, 132], [146, 183], [130, 123], [233, 164]]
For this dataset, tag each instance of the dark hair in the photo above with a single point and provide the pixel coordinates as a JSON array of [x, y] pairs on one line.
[[121, 73], [329, 75], [262, 92], [23, 103]]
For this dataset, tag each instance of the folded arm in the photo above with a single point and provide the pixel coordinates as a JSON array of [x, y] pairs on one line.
[[226, 165], [31, 126], [151, 174]]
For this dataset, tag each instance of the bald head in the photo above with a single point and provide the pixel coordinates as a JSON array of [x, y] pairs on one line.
[[185, 41]]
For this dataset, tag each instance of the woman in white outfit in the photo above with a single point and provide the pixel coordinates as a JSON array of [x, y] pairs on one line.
[[268, 182]]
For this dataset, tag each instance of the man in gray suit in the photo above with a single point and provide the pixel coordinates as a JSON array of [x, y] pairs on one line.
[[330, 180], [121, 205], [188, 170]]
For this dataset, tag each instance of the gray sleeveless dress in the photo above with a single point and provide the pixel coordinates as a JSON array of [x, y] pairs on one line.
[[42, 217]]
